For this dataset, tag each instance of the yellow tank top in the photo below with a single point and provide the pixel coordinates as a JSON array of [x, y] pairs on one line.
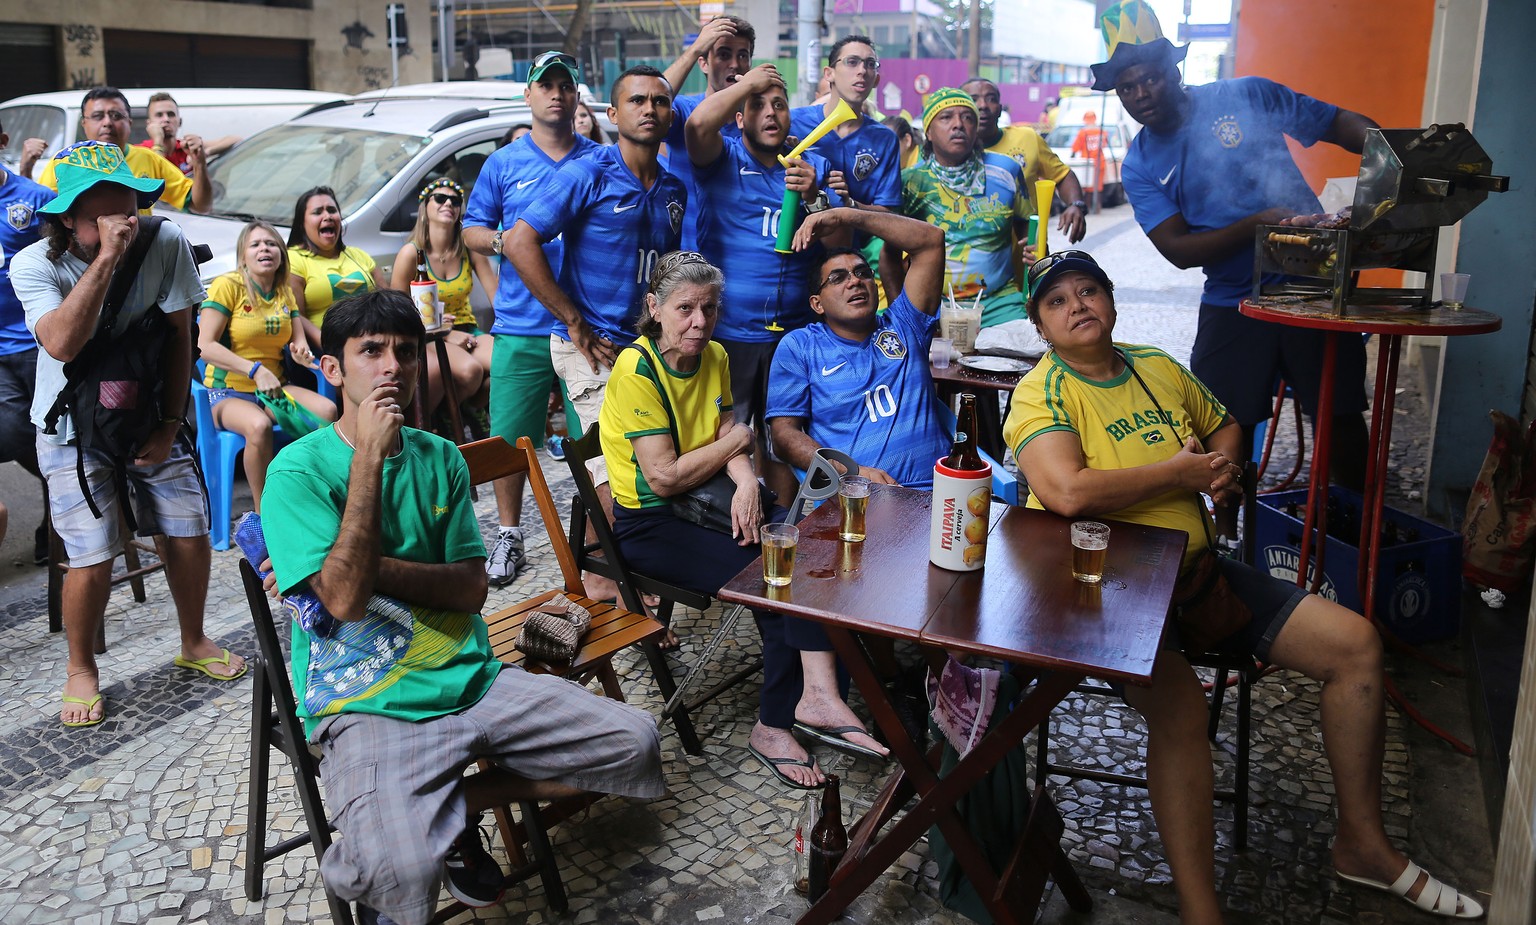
[[454, 293]]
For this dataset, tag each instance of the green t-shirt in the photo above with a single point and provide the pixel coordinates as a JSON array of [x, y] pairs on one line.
[[435, 663]]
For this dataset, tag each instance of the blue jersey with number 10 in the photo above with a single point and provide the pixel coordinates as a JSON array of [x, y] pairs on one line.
[[873, 399], [614, 231]]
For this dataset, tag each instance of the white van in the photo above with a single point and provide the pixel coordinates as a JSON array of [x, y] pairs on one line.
[[1118, 127], [212, 112]]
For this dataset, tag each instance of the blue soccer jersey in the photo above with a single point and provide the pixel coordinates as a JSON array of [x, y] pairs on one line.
[[873, 399], [870, 158], [738, 209], [679, 165], [508, 183], [20, 199], [615, 230]]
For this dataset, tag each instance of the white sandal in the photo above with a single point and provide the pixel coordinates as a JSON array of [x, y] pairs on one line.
[[1437, 898]]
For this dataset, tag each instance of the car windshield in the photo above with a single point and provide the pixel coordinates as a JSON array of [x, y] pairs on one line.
[[1062, 136], [263, 177]]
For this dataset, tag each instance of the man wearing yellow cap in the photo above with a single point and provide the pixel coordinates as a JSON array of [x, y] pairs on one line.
[[1212, 165], [106, 117]]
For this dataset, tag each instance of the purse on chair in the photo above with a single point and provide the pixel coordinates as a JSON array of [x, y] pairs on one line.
[[552, 631]]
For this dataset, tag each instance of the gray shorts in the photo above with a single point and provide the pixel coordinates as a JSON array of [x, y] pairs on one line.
[[167, 499], [1271, 600], [394, 787]]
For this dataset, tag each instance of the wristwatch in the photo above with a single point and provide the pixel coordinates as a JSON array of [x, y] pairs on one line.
[[1078, 204], [819, 204], [496, 243]]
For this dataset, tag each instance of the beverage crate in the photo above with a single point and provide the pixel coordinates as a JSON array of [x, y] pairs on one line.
[[1418, 577]]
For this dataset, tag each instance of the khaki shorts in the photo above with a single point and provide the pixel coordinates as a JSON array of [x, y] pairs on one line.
[[585, 389]]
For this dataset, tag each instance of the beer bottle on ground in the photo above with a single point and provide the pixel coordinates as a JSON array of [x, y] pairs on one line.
[[829, 840], [423, 273], [963, 453]]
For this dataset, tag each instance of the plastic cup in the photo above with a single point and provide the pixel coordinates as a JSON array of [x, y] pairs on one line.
[[1453, 288], [1090, 547], [853, 496], [938, 352], [779, 542]]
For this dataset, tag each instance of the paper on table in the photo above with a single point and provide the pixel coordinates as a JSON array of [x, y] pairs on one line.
[[1011, 339]]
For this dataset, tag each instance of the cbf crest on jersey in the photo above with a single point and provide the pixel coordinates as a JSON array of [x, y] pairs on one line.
[[675, 213], [864, 165], [19, 214], [889, 343]]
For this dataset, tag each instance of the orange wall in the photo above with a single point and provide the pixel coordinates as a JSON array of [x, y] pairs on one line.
[[1366, 55]]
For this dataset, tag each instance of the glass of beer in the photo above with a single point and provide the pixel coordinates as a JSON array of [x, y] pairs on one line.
[[1090, 544], [853, 495], [779, 541]]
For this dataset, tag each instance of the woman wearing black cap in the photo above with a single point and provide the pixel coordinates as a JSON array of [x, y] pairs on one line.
[[1125, 432]]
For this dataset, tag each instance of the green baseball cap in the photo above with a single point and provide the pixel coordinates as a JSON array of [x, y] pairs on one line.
[[551, 59], [84, 164]]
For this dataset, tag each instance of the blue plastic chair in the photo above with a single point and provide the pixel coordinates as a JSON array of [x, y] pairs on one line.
[[218, 449]]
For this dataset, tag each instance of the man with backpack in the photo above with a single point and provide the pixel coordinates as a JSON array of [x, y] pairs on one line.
[[111, 306]]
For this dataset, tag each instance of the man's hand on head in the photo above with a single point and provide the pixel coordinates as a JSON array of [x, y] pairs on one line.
[[379, 419], [713, 31]]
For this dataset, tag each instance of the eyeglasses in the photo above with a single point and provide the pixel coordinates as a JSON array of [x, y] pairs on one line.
[[853, 62], [114, 115], [838, 277], [556, 57], [443, 199]]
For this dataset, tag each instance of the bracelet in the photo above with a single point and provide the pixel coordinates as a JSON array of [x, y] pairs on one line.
[[176, 421], [255, 368]]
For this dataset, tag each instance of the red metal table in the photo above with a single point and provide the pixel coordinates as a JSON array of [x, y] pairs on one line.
[[1390, 323], [1023, 607]]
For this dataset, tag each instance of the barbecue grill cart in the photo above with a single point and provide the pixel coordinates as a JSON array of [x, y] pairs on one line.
[[1412, 182]]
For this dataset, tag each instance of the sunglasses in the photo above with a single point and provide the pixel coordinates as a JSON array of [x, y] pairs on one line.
[[838, 277], [556, 57], [443, 199], [1044, 264]]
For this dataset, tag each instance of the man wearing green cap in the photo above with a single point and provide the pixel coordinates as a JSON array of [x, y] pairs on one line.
[[62, 281], [1212, 165]]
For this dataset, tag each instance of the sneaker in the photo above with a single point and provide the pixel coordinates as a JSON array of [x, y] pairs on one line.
[[556, 451], [507, 557], [473, 876]]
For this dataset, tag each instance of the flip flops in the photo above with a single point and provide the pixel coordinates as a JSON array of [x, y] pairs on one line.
[[833, 736], [201, 664], [90, 704], [1437, 897], [772, 764]]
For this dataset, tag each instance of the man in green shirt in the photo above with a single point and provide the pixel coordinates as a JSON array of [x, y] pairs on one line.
[[394, 675]]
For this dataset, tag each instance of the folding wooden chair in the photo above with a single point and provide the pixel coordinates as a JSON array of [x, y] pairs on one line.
[[603, 558]]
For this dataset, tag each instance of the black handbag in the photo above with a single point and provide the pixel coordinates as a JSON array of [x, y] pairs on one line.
[[707, 504]]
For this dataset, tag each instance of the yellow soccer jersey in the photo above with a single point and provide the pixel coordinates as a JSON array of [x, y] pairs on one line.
[[327, 279], [1121, 428], [256, 332], [454, 293], [144, 162], [688, 406], [1034, 157]]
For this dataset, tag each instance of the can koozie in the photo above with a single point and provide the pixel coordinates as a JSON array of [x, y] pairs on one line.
[[957, 524], [425, 297]]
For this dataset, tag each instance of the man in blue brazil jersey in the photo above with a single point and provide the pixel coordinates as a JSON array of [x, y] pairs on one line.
[[723, 52], [741, 189], [863, 151], [521, 369], [1212, 165], [859, 382], [20, 225]]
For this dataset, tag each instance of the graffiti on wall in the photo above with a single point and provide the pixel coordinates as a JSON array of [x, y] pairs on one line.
[[82, 38], [83, 78], [374, 77], [355, 34]]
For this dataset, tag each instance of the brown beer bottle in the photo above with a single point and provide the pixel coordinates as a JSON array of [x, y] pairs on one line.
[[829, 840], [963, 453], [423, 273]]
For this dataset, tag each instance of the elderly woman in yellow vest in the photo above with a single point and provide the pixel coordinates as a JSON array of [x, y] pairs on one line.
[[247, 319], [439, 236]]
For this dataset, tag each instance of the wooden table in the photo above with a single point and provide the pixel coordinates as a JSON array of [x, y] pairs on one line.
[[1023, 607], [436, 339], [1390, 323], [956, 378]]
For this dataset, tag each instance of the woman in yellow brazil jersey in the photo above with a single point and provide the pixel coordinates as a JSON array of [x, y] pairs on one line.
[[247, 319], [321, 268], [1124, 432], [439, 235]]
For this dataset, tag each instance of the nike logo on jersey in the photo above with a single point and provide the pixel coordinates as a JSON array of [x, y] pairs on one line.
[[751, 173], [1164, 180], [523, 183], [618, 209], [829, 370]]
